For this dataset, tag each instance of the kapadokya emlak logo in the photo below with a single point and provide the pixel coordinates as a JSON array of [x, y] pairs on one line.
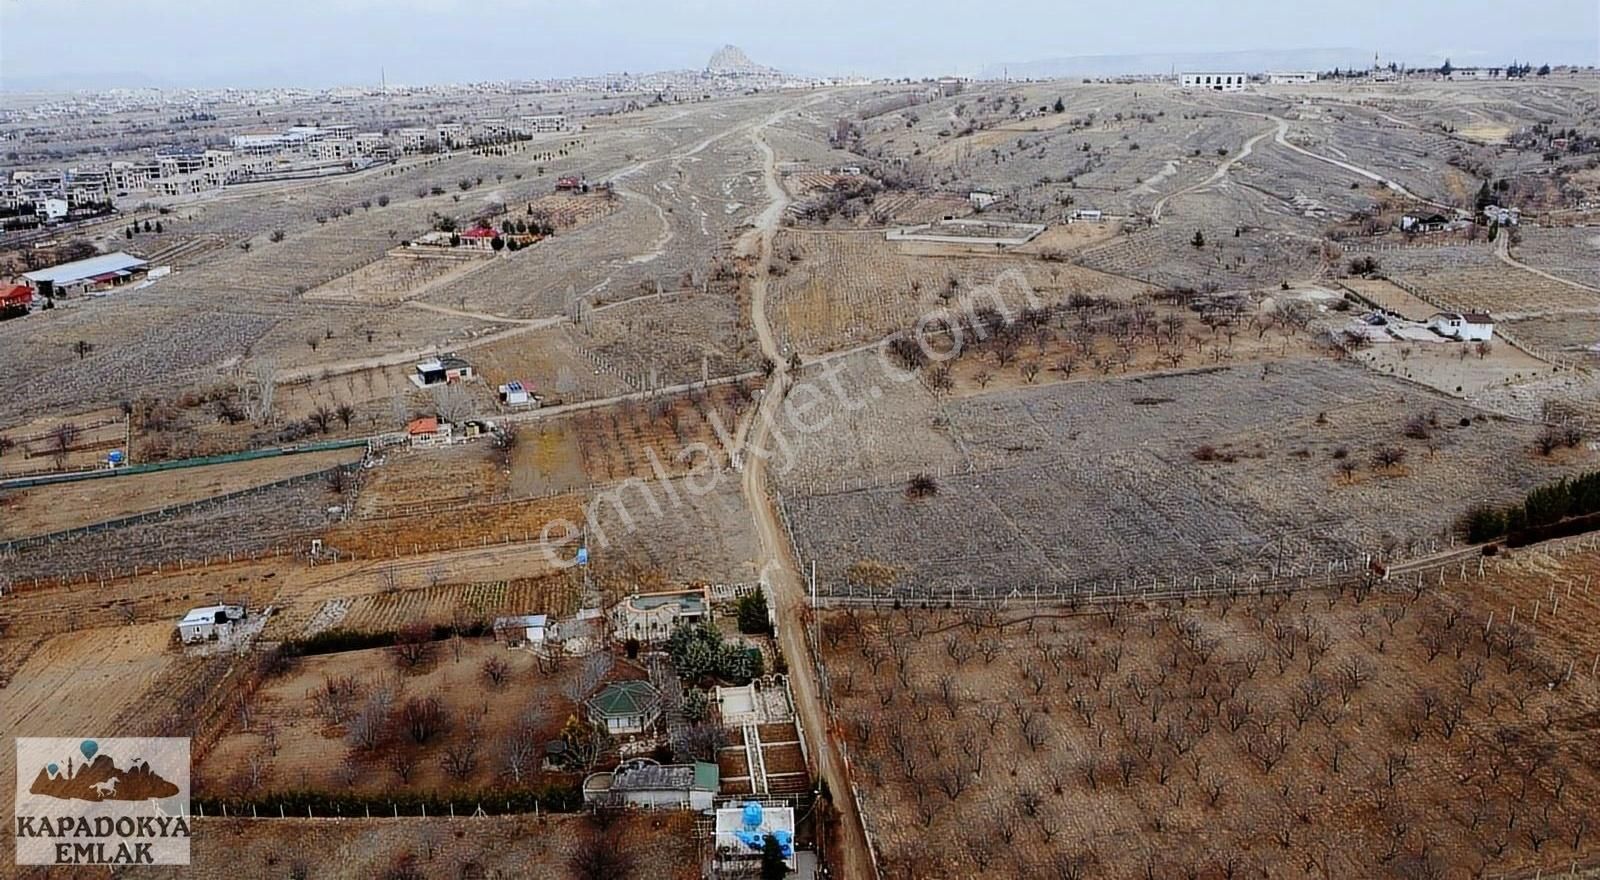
[[98, 778], [108, 801]]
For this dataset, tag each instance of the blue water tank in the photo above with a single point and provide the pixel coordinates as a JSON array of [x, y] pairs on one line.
[[114, 457], [752, 814]]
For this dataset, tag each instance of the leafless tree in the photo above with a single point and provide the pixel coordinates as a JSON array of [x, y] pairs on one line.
[[413, 646], [587, 678], [423, 718], [453, 403]]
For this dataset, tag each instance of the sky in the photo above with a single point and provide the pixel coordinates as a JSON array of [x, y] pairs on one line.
[[251, 43]]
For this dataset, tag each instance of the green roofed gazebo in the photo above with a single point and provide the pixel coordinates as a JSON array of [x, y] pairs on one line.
[[626, 707]]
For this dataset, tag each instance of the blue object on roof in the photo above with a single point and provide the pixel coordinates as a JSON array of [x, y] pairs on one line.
[[752, 814], [114, 456]]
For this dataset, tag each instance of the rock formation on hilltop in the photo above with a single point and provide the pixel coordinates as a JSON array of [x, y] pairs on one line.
[[731, 59]]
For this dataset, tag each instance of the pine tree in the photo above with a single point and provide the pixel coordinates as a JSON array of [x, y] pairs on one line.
[[1199, 240], [772, 865]]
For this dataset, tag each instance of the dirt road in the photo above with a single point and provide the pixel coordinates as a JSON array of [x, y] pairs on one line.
[[851, 857]]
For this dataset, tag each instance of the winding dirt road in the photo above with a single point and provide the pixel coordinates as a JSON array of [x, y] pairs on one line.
[[850, 855]]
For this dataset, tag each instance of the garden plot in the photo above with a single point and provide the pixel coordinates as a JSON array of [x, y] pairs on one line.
[[1457, 368], [448, 604], [397, 277], [1390, 297], [1174, 474], [1503, 292], [1042, 744], [1573, 254]]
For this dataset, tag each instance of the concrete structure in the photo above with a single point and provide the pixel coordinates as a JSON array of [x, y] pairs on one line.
[[1465, 326], [1291, 77], [209, 622], [1087, 215], [651, 617], [643, 782], [96, 273], [981, 200], [626, 707], [1216, 82]]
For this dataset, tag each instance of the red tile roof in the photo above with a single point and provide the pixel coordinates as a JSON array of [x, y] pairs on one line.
[[19, 294], [480, 232], [428, 425]]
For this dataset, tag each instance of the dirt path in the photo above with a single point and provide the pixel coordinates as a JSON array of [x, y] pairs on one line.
[[1222, 171], [851, 855]]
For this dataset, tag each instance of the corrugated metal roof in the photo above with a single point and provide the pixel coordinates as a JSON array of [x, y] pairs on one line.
[[66, 273]]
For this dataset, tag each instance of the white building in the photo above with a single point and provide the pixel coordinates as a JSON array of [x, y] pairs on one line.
[[1291, 77], [542, 123], [51, 209], [209, 622], [518, 393], [981, 200], [1217, 82], [414, 140], [1465, 326], [1478, 73]]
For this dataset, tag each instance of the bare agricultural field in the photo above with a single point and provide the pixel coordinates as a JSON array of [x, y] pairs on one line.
[[1567, 335], [1347, 733], [412, 478], [1501, 291], [70, 505], [1571, 253], [1457, 368], [555, 361], [278, 518], [446, 604], [396, 277], [1190, 473], [841, 288]]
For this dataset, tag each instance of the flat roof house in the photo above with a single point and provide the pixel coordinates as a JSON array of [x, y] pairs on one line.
[[209, 622], [650, 617], [626, 707], [518, 393], [643, 782], [95, 273], [445, 369]]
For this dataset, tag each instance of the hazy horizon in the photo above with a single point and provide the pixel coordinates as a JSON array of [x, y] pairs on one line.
[[163, 43]]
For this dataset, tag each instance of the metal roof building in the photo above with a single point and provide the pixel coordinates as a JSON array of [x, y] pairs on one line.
[[82, 271]]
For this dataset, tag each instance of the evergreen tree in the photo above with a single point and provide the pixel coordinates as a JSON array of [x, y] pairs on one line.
[[772, 865]]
